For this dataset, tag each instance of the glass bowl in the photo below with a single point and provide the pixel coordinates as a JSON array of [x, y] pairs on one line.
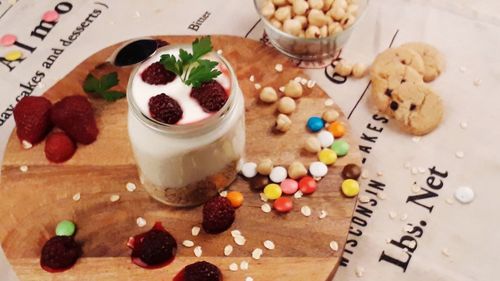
[[308, 49]]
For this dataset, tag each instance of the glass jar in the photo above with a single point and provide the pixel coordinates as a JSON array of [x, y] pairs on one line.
[[185, 165]]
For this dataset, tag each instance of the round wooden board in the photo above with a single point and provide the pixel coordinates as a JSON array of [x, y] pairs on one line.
[[33, 202]]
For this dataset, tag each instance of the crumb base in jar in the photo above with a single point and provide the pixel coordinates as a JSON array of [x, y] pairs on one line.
[[196, 193]]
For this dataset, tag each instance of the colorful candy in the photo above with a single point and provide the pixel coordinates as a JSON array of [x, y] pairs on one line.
[[337, 129], [278, 174], [258, 182], [65, 228], [289, 186], [249, 169], [327, 156], [283, 204], [50, 16], [351, 171], [236, 198], [341, 147], [307, 185], [13, 55], [315, 124], [318, 169], [350, 187], [8, 40], [272, 191], [325, 138], [464, 194]]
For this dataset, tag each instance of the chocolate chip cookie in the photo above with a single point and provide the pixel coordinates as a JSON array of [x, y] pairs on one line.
[[433, 60], [402, 56], [416, 108], [389, 78]]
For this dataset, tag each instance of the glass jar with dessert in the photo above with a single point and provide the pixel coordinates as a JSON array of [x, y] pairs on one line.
[[186, 123]]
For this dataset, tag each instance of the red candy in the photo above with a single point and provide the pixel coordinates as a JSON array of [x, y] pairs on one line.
[[307, 185], [283, 204], [289, 186]]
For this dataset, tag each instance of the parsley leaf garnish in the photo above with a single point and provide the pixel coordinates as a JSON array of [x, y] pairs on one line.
[[100, 87], [193, 70]]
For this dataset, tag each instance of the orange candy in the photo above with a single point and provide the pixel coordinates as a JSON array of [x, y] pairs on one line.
[[236, 198], [337, 129]]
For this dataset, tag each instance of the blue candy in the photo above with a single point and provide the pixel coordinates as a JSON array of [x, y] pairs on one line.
[[315, 124]]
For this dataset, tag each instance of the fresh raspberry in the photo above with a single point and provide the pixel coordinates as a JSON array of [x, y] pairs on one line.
[[60, 253], [165, 109], [75, 116], [32, 116], [155, 247], [59, 147], [157, 74], [202, 271], [210, 95], [218, 215]]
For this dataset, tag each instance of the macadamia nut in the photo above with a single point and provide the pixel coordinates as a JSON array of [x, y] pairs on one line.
[[280, 2], [312, 145], [317, 18], [343, 68], [358, 70], [312, 32], [340, 3], [323, 31], [268, 9], [302, 19], [293, 89], [300, 7], [265, 166], [283, 123], [348, 21], [292, 26], [276, 23], [268, 95], [334, 28], [286, 105], [330, 115], [327, 5], [337, 13], [283, 13], [296, 170], [316, 4]]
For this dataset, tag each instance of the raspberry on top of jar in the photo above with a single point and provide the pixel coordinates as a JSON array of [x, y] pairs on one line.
[[182, 85]]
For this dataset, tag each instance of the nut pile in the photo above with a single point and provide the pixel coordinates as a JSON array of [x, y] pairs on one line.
[[287, 104], [311, 18]]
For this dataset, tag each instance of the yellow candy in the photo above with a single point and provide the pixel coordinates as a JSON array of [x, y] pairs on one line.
[[350, 188], [272, 191], [13, 55], [327, 156]]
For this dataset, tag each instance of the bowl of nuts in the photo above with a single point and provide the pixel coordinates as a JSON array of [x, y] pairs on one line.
[[310, 30]]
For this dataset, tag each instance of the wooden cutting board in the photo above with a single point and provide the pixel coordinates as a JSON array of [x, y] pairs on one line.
[[32, 203]]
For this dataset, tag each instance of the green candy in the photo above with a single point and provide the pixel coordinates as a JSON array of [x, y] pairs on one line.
[[65, 228], [341, 147]]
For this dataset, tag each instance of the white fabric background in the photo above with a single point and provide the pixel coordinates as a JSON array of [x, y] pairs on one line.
[[467, 32]]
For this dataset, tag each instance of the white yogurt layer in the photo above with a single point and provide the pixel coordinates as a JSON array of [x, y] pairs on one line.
[[192, 111]]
